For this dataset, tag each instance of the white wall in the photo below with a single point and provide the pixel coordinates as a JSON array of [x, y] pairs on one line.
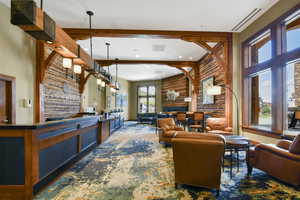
[[17, 59]]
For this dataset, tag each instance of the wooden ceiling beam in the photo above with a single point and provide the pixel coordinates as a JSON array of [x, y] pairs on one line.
[[82, 34], [105, 63]]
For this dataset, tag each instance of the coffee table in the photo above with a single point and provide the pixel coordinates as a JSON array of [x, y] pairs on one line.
[[235, 144]]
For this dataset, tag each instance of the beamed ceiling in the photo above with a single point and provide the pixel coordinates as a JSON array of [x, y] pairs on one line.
[[175, 15]]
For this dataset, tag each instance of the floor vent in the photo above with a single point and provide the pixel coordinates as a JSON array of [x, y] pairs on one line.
[[246, 19]]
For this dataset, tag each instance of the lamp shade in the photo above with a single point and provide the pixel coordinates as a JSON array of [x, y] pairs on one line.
[[77, 69], [214, 90], [67, 63], [99, 82]]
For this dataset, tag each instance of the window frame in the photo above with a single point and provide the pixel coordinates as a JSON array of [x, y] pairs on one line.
[[279, 59], [147, 96]]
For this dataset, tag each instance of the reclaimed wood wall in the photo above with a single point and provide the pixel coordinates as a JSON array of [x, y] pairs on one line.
[[61, 91], [180, 84], [209, 67]]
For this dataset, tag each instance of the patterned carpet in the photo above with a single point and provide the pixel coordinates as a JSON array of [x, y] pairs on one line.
[[131, 164]]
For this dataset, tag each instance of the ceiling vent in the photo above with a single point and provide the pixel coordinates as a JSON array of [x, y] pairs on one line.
[[246, 19], [158, 47]]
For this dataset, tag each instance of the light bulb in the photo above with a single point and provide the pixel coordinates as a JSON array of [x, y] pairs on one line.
[[99, 82], [67, 63], [103, 84], [77, 69]]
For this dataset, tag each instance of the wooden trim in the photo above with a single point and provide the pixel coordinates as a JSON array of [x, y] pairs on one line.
[[11, 87], [43, 144], [46, 64], [262, 132], [40, 57], [82, 34]]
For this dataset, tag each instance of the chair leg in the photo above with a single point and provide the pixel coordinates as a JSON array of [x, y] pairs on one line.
[[176, 185], [218, 193], [250, 169]]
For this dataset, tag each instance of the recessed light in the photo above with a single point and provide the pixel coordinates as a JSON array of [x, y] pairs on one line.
[[137, 56], [179, 57]]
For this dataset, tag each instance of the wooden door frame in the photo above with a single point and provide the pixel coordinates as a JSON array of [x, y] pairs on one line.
[[12, 96]]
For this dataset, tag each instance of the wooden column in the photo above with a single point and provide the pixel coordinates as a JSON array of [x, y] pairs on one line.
[[39, 94]]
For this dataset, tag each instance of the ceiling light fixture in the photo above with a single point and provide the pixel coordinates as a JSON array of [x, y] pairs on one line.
[[179, 57]]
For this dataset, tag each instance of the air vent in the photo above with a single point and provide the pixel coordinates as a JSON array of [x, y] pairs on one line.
[[246, 19], [158, 47]]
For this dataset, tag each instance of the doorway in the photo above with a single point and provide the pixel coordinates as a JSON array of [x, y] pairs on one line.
[[7, 100]]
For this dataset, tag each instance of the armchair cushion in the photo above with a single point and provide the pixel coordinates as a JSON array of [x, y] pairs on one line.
[[295, 146], [284, 144], [278, 151], [228, 129]]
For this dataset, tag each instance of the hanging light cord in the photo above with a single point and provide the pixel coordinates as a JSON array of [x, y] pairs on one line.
[[107, 49], [117, 71], [90, 13], [42, 4]]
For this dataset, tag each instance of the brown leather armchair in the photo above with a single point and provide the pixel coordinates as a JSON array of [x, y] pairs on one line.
[[167, 129], [198, 159], [277, 160], [218, 126]]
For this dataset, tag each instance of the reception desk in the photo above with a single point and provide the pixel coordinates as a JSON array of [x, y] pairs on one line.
[[33, 155]]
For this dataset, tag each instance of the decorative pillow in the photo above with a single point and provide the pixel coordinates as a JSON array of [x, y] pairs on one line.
[[295, 146]]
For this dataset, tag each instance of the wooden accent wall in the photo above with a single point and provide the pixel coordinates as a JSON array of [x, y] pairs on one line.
[[209, 67], [180, 84], [61, 93]]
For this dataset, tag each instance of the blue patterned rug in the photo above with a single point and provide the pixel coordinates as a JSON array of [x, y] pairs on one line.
[[131, 164]]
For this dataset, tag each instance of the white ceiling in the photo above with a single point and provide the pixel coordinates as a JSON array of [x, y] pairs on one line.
[[144, 72], [145, 49], [190, 15], [184, 15]]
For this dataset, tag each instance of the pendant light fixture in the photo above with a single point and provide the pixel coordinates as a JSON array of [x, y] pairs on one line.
[[67, 63], [77, 69], [90, 14], [117, 69], [107, 54]]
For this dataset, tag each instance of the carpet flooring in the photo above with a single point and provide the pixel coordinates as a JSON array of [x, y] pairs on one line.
[[132, 165]]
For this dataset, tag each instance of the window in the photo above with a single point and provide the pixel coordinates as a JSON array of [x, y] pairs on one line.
[[293, 32], [146, 99], [271, 77], [261, 104], [261, 49], [292, 96]]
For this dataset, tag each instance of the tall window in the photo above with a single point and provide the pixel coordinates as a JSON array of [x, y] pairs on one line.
[[146, 99], [261, 105], [271, 101]]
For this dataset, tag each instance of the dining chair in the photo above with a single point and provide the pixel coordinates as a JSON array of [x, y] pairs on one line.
[[198, 122]]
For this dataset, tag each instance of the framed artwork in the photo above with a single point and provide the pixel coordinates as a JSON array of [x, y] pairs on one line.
[[207, 83]]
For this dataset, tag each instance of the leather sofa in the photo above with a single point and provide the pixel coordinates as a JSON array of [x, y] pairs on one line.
[[218, 126], [281, 161], [167, 129], [198, 159]]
